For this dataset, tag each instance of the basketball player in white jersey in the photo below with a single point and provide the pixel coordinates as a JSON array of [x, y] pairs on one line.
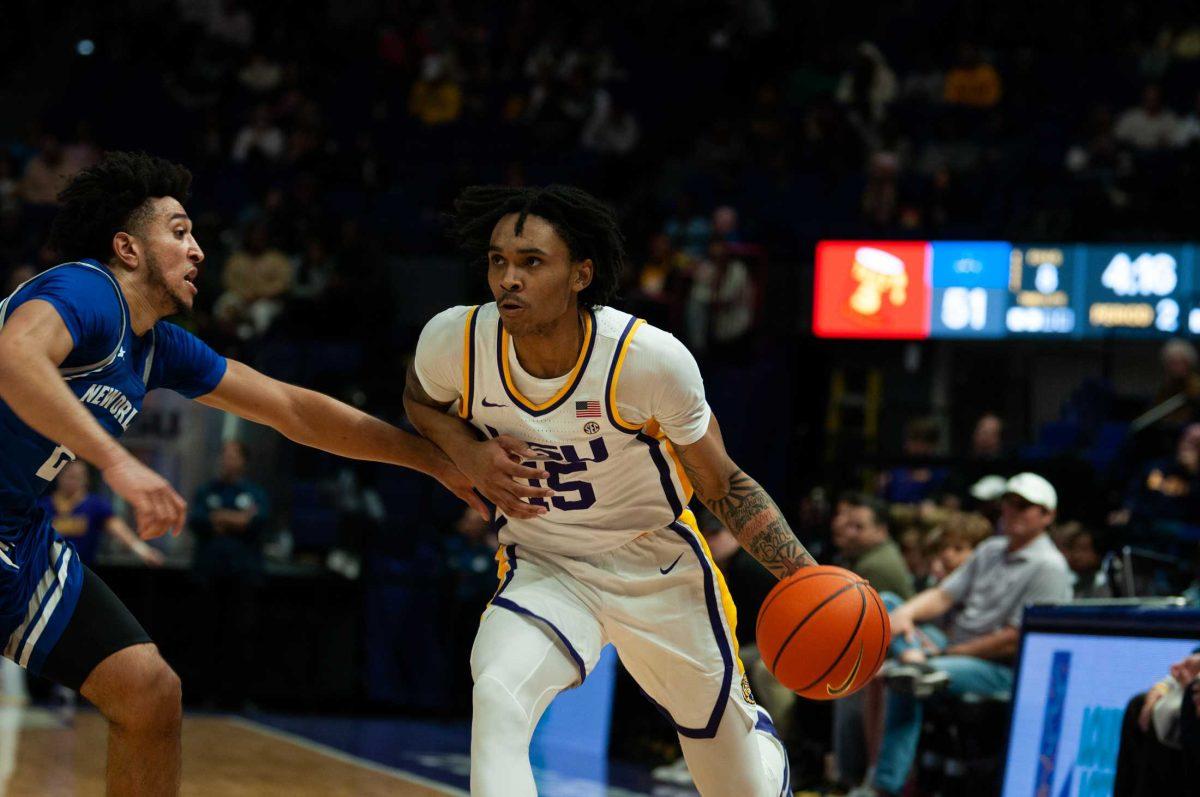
[[609, 420]]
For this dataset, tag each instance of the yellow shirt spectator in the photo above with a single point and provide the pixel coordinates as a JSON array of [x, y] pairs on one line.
[[435, 102], [976, 86]]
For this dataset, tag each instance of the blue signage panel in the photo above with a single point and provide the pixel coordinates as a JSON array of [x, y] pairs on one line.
[[1044, 287], [970, 288]]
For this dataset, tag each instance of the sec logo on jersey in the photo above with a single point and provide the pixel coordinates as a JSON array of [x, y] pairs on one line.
[[591, 427]]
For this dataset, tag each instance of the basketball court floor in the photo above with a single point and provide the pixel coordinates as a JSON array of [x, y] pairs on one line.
[[267, 754]]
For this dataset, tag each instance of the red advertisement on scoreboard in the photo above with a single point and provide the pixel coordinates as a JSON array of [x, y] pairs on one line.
[[872, 289]]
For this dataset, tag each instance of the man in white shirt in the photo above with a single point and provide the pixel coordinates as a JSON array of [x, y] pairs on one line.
[[1149, 126]]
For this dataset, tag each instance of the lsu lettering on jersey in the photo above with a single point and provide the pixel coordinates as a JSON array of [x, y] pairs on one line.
[[110, 370], [613, 479]]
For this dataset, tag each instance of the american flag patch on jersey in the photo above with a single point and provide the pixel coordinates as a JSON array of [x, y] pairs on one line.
[[587, 409]]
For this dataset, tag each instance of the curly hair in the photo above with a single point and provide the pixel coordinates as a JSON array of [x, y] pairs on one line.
[[111, 197], [587, 225]]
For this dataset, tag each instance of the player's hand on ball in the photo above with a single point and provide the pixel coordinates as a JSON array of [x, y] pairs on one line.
[[494, 466], [155, 503]]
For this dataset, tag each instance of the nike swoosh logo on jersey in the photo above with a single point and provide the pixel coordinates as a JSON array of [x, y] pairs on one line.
[[487, 403], [672, 567]]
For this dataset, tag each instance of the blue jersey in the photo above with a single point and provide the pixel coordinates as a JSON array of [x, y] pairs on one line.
[[110, 370]]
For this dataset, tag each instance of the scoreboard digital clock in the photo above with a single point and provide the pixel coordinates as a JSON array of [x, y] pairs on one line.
[[1138, 290]]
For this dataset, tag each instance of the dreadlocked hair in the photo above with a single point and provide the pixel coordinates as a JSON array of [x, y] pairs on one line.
[[112, 197], [588, 226]]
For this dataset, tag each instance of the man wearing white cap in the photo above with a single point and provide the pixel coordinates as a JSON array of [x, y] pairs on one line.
[[989, 592]]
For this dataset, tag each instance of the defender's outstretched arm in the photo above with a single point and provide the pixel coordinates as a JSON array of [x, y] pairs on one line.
[[319, 421]]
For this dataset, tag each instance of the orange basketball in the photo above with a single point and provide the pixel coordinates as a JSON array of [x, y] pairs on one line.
[[823, 632]]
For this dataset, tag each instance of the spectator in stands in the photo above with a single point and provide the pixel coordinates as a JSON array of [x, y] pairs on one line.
[[872, 552], [990, 591], [46, 173], [911, 540], [839, 531], [867, 88], [972, 82], [987, 440], [985, 457], [260, 138], [436, 98], [260, 75], [721, 305], [1181, 381], [1149, 126], [85, 517], [1079, 546], [256, 277], [229, 517], [1149, 760], [725, 225], [611, 130], [917, 482], [1167, 491], [954, 540]]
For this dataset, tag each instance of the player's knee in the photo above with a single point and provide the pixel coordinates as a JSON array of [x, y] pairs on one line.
[[149, 697], [160, 704], [494, 705]]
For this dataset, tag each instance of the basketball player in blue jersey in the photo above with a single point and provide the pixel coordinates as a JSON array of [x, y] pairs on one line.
[[611, 415], [80, 346]]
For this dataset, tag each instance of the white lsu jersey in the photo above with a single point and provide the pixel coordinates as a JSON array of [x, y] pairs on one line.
[[613, 480]]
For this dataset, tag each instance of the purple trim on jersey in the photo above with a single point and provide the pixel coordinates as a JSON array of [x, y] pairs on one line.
[[506, 603], [612, 372], [664, 473], [587, 356], [470, 397], [718, 627]]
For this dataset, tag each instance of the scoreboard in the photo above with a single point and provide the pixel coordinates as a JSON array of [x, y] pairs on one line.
[[1004, 290]]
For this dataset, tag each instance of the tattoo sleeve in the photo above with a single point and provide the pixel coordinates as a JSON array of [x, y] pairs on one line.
[[754, 520]]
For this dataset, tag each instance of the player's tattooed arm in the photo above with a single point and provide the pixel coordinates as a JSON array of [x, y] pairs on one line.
[[742, 505]]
